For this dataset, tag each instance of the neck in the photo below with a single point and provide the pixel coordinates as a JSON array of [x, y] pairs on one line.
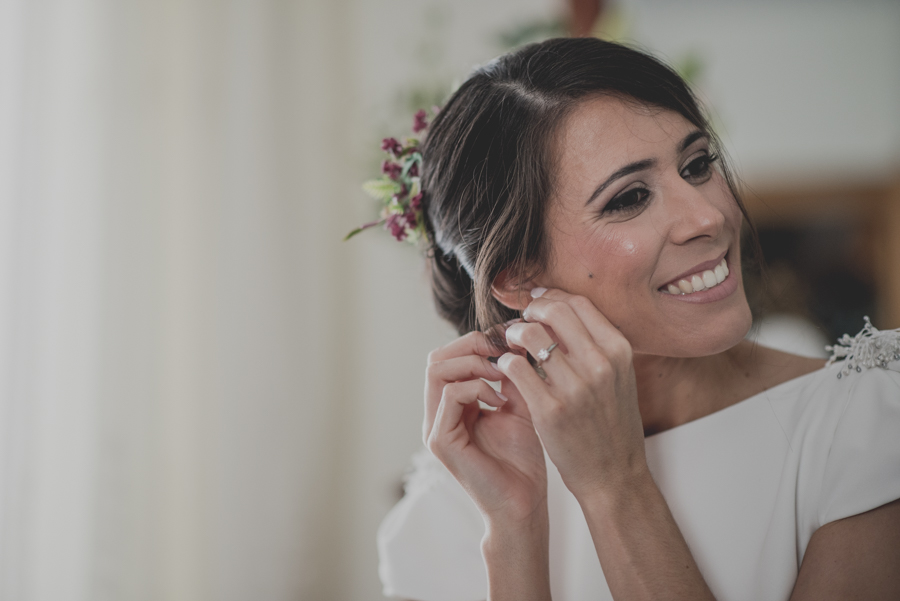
[[675, 390]]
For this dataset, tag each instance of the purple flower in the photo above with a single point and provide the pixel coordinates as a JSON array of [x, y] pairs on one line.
[[391, 169], [419, 122], [393, 146], [410, 217], [416, 202], [395, 224], [414, 170]]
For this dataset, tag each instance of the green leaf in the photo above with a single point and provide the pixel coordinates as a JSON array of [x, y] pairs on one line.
[[408, 162], [382, 189]]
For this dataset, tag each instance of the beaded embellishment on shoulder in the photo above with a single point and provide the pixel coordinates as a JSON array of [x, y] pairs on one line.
[[870, 348]]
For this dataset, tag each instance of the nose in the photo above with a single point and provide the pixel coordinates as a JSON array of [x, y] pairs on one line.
[[695, 212]]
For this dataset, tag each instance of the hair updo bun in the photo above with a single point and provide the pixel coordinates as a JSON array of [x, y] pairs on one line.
[[488, 162]]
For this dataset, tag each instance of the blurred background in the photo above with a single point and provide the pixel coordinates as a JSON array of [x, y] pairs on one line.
[[204, 393]]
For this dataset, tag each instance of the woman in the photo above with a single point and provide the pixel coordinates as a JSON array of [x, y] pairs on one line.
[[573, 193]]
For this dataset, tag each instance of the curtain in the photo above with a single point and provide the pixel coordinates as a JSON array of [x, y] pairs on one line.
[[174, 298]]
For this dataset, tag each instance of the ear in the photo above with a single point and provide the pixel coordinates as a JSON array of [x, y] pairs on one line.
[[511, 291]]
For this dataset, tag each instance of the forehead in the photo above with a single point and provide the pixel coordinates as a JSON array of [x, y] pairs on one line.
[[609, 131]]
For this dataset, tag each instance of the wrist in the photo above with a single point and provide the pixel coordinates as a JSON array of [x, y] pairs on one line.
[[514, 528], [625, 493], [517, 557], [514, 513]]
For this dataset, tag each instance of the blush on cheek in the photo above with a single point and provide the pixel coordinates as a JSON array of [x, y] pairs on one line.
[[608, 244], [618, 243]]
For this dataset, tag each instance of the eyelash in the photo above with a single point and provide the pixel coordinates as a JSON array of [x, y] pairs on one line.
[[633, 199]]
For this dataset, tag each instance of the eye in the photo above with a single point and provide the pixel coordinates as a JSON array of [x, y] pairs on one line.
[[699, 170], [629, 200]]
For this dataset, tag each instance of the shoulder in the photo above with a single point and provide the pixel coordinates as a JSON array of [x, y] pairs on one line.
[[862, 465], [844, 420], [429, 545], [841, 424], [862, 376]]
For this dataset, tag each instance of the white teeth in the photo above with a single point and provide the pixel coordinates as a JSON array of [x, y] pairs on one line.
[[720, 273], [700, 281]]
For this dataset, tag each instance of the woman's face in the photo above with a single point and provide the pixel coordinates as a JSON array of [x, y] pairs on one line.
[[639, 216]]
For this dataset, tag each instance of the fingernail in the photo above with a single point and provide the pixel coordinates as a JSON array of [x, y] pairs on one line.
[[537, 292], [502, 396]]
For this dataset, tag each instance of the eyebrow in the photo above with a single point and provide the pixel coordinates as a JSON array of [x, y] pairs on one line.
[[642, 165]]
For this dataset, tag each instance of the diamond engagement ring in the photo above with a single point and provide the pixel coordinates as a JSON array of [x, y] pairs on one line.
[[543, 355]]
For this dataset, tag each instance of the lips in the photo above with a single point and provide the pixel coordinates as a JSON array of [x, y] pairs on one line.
[[703, 277]]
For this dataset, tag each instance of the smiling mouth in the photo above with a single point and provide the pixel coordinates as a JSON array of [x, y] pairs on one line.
[[702, 280]]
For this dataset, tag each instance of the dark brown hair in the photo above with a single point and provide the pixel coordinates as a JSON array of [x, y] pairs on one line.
[[488, 169]]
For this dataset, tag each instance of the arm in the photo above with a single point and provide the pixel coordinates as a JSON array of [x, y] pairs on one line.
[[641, 549], [587, 415], [497, 457], [854, 558]]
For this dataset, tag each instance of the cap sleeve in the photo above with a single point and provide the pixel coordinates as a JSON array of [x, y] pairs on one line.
[[429, 545], [862, 469]]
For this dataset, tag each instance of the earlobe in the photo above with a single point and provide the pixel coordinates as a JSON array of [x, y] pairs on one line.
[[512, 292]]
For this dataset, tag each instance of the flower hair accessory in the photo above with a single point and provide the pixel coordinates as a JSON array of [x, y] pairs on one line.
[[398, 188], [870, 348]]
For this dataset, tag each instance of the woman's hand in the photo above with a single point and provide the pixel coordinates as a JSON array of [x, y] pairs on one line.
[[495, 455], [586, 410], [498, 458]]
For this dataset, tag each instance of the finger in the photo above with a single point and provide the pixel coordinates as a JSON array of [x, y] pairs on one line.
[[565, 324], [529, 336], [531, 388], [473, 343], [454, 369], [606, 335], [448, 425], [534, 338], [516, 404], [466, 367]]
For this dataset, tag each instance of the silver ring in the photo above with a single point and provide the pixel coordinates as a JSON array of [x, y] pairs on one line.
[[543, 355]]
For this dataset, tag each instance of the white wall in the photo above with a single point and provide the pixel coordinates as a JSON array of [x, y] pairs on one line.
[[803, 89]]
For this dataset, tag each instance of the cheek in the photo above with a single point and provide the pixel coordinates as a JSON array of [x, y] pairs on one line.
[[613, 252], [606, 264], [616, 242]]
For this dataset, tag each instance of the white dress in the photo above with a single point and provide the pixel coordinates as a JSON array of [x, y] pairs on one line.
[[747, 485]]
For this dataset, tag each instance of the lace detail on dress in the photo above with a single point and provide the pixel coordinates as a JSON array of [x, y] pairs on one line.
[[870, 348], [424, 471]]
